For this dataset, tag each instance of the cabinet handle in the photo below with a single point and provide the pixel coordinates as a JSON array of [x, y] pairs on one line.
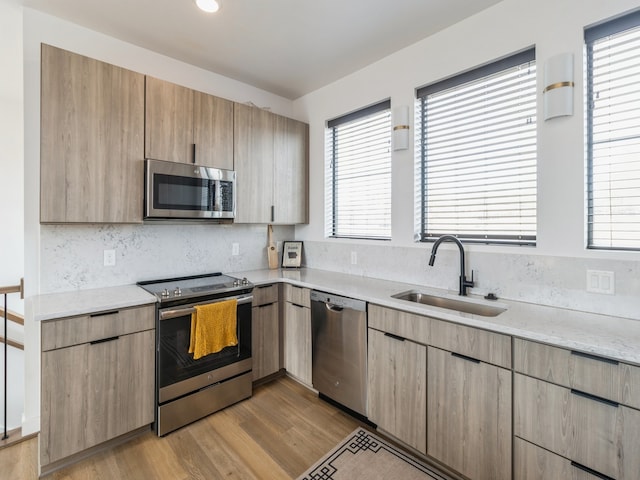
[[260, 287], [194, 153], [296, 305], [104, 314], [594, 398], [104, 340], [464, 357], [395, 337], [594, 357], [266, 305], [591, 472]]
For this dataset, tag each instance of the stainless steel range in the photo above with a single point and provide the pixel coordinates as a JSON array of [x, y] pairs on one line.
[[188, 389]]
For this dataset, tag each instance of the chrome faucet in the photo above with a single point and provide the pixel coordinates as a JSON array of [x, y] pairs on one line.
[[464, 283]]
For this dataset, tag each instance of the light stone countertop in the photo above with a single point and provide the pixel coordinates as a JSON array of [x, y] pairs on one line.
[[612, 337], [82, 302]]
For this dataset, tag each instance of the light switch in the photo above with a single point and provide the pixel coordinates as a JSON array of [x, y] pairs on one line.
[[599, 281]]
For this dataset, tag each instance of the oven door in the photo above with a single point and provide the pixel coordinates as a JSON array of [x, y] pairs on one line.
[[177, 372]]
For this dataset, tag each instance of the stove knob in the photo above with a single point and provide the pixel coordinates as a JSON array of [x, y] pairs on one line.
[[164, 293], [245, 281], [177, 292], [236, 283]]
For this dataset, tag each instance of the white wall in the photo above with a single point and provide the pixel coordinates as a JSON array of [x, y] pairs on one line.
[[554, 272], [11, 195]]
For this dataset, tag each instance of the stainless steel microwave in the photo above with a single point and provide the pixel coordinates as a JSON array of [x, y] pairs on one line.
[[189, 191]]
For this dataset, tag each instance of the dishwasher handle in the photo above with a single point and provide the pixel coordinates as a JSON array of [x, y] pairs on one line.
[[333, 308]]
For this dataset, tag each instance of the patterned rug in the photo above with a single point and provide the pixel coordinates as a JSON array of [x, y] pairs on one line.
[[363, 455]]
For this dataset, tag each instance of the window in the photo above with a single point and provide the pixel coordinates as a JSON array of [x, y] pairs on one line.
[[477, 154], [613, 134], [358, 196]]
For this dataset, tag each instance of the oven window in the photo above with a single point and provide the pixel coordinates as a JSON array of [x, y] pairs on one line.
[[175, 363], [171, 192]]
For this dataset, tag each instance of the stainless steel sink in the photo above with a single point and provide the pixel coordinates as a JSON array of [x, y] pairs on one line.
[[466, 306]]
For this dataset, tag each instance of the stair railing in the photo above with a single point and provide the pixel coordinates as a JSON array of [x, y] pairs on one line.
[[6, 291]]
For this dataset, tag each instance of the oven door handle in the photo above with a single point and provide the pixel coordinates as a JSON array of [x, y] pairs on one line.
[[180, 312]]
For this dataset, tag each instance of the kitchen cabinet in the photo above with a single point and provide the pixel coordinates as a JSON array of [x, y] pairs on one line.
[[265, 336], [297, 333], [397, 387], [444, 389], [91, 134], [469, 415], [271, 163], [97, 380], [184, 125], [578, 407]]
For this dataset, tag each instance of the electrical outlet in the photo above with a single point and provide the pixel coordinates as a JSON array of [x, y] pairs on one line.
[[109, 258], [354, 258], [235, 249], [599, 281]]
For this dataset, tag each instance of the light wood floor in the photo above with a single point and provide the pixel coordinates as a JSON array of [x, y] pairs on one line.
[[277, 434]]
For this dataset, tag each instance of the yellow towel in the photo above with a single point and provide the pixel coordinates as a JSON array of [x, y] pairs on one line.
[[213, 327]]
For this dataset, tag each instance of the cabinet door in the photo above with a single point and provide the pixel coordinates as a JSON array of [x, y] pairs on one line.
[[469, 415], [169, 121], [253, 160], [265, 343], [290, 171], [297, 330], [92, 125], [397, 387], [534, 463], [94, 392], [599, 434], [213, 131]]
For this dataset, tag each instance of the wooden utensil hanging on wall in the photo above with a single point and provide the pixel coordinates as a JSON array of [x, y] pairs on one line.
[[272, 252]]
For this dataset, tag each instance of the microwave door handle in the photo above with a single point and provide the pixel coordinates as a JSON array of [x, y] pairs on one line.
[[217, 196]]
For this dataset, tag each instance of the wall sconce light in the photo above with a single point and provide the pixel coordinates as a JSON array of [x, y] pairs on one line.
[[401, 128], [558, 86]]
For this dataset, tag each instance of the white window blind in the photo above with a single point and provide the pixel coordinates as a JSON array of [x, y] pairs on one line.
[[613, 134], [477, 154], [358, 196]]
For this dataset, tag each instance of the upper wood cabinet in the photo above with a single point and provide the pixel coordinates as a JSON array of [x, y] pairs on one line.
[[271, 162], [184, 125], [91, 140]]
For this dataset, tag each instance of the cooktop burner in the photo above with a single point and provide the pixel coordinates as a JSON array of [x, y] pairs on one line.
[[194, 286]]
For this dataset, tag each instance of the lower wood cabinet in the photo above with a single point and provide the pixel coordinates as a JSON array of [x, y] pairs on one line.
[[297, 354], [469, 415], [265, 331], [397, 385], [535, 463], [97, 390], [593, 432]]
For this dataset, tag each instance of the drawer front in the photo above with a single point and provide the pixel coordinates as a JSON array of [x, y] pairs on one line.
[[534, 463], [598, 434], [298, 295], [598, 376], [489, 347], [403, 324], [69, 331], [265, 294]]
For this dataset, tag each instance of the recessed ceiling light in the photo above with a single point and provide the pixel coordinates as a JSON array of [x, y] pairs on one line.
[[209, 6]]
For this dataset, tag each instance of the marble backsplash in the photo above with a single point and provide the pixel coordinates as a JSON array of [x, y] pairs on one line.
[[547, 280], [72, 257]]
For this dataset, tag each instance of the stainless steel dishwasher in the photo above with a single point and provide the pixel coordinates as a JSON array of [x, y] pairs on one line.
[[339, 349]]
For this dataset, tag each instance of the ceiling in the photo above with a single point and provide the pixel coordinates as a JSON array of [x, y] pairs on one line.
[[287, 47]]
